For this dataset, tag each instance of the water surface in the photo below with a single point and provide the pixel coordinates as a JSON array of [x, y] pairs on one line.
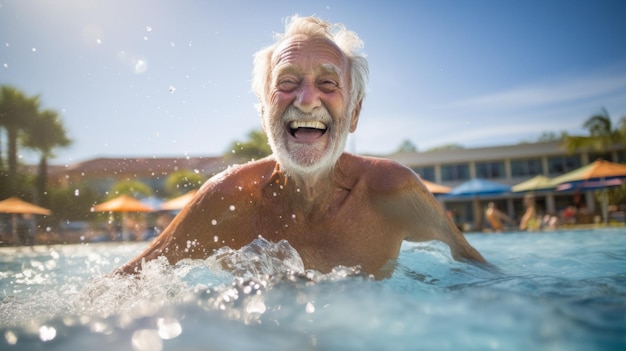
[[562, 290]]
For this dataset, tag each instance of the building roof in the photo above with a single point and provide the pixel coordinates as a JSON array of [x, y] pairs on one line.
[[143, 165], [525, 150]]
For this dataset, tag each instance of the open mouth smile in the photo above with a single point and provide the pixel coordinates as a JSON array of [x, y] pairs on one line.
[[307, 130]]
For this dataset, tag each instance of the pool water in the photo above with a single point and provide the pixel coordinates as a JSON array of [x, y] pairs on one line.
[[563, 290]]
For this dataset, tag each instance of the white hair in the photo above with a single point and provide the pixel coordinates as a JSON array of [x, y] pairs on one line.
[[312, 27]]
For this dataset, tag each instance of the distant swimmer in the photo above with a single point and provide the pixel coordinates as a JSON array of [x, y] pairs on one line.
[[495, 217], [333, 207]]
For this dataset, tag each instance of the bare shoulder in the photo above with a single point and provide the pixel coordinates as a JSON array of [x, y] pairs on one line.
[[384, 175], [236, 177]]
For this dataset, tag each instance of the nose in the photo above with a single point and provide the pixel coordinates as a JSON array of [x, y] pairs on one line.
[[308, 98]]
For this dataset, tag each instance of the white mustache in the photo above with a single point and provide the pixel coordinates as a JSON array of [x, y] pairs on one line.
[[318, 115]]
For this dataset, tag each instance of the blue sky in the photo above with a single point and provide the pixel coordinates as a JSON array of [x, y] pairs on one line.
[[172, 78]]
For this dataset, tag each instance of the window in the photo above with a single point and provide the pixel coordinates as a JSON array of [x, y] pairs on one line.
[[455, 172], [528, 167], [558, 165], [427, 173], [490, 170]]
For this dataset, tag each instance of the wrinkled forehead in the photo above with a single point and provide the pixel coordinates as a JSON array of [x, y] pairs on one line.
[[309, 53]]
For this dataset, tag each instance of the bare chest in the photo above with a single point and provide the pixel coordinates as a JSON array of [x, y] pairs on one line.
[[353, 234]]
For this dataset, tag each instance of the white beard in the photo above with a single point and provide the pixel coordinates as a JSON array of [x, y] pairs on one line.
[[306, 159]]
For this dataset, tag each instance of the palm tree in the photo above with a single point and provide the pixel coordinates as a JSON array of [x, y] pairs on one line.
[[16, 112], [256, 147], [601, 134], [44, 134], [183, 181], [134, 188]]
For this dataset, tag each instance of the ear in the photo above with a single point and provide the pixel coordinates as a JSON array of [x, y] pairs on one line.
[[355, 116]]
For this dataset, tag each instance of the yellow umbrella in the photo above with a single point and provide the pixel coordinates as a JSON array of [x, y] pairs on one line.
[[179, 202], [539, 182], [122, 203], [436, 188]]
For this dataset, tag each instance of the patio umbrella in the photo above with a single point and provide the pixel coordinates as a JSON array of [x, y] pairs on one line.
[[15, 206], [597, 170], [436, 188], [600, 172], [178, 203], [475, 188], [590, 184], [122, 203], [539, 182]]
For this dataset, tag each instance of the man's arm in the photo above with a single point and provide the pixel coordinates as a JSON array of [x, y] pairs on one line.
[[422, 217], [189, 235]]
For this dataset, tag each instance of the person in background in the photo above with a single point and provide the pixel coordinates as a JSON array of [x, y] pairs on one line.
[[495, 217], [332, 207], [529, 220]]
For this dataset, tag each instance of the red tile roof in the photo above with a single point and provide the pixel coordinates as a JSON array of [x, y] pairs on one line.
[[156, 165]]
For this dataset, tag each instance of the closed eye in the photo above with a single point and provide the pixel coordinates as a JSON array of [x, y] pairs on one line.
[[287, 85], [328, 86]]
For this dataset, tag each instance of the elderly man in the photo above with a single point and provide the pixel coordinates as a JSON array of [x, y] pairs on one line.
[[334, 208]]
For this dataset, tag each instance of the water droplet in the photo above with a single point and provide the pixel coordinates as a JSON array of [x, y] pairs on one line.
[[47, 333], [10, 337], [256, 306], [309, 308], [141, 66], [169, 328], [147, 340]]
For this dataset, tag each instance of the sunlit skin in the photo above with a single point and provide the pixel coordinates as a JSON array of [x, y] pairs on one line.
[[334, 208]]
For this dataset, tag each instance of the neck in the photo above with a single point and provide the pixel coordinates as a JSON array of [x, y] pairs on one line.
[[310, 192]]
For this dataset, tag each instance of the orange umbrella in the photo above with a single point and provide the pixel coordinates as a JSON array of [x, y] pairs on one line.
[[179, 202], [597, 170], [436, 188], [600, 170], [122, 203], [17, 205]]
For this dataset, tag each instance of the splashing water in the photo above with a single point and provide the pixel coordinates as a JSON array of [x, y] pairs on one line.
[[554, 291]]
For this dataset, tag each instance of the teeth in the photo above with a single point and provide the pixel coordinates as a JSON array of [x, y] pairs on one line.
[[307, 124]]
